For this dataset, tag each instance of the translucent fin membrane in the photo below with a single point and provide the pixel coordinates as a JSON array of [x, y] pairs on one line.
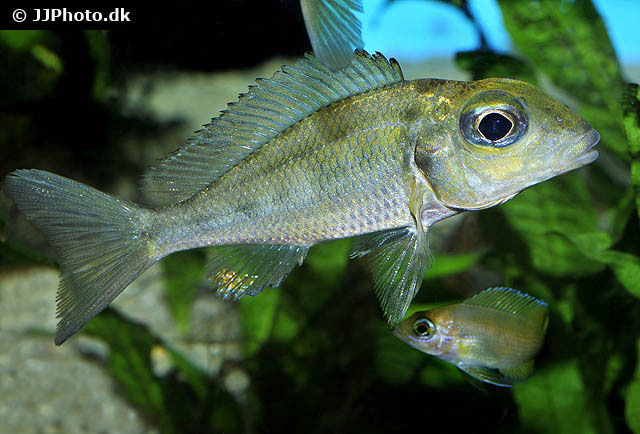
[[487, 375], [98, 240], [269, 108], [398, 259], [334, 30], [235, 271], [514, 302]]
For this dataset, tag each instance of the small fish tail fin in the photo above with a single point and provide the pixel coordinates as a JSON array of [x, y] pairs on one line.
[[99, 240]]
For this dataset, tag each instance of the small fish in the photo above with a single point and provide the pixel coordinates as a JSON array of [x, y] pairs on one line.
[[334, 30], [308, 156], [492, 336]]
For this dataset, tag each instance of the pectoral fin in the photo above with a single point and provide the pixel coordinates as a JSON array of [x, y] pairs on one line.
[[246, 269], [398, 259]]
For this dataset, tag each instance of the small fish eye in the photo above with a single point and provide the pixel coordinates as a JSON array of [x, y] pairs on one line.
[[423, 328], [494, 126]]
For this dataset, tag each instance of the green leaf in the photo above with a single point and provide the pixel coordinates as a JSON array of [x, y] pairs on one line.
[[445, 264], [395, 361], [99, 49], [568, 41], [47, 57], [596, 246], [484, 63], [420, 307], [632, 404], [129, 358], [632, 127], [21, 40], [169, 401], [321, 274], [562, 205], [258, 318], [554, 399], [329, 260], [198, 380], [183, 272]]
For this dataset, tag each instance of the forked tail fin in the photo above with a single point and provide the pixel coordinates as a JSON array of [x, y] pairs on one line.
[[100, 241]]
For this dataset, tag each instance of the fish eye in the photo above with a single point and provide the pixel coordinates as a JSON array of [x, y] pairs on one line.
[[493, 119], [423, 328], [494, 126]]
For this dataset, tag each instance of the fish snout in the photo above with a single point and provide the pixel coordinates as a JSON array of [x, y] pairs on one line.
[[582, 152], [397, 332]]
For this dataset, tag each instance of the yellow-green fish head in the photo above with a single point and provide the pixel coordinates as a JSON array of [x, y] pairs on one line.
[[432, 332], [497, 137]]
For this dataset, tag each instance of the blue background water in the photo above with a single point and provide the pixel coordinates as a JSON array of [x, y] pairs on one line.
[[417, 29]]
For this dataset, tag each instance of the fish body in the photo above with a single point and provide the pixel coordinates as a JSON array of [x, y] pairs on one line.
[[307, 156], [493, 336]]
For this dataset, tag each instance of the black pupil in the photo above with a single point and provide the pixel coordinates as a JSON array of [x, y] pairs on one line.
[[494, 126], [422, 329]]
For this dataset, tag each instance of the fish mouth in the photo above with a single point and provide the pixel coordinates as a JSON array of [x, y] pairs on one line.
[[397, 332], [582, 152], [578, 155]]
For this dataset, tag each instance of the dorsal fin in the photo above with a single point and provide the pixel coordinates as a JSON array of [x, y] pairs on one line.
[[514, 302], [334, 30], [269, 108]]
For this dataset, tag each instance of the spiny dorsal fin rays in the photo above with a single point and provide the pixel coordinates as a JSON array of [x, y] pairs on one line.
[[334, 30], [269, 108]]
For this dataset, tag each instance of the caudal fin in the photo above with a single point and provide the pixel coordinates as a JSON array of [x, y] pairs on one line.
[[99, 240]]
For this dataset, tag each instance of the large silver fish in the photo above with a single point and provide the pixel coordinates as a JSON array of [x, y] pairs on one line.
[[307, 156]]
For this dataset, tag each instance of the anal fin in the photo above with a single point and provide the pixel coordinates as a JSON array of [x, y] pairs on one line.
[[486, 375], [238, 270], [520, 372]]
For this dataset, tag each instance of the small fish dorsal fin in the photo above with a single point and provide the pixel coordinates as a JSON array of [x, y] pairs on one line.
[[269, 108], [514, 302]]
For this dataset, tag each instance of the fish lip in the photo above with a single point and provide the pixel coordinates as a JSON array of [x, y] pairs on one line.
[[405, 337], [584, 159], [396, 332], [586, 155]]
